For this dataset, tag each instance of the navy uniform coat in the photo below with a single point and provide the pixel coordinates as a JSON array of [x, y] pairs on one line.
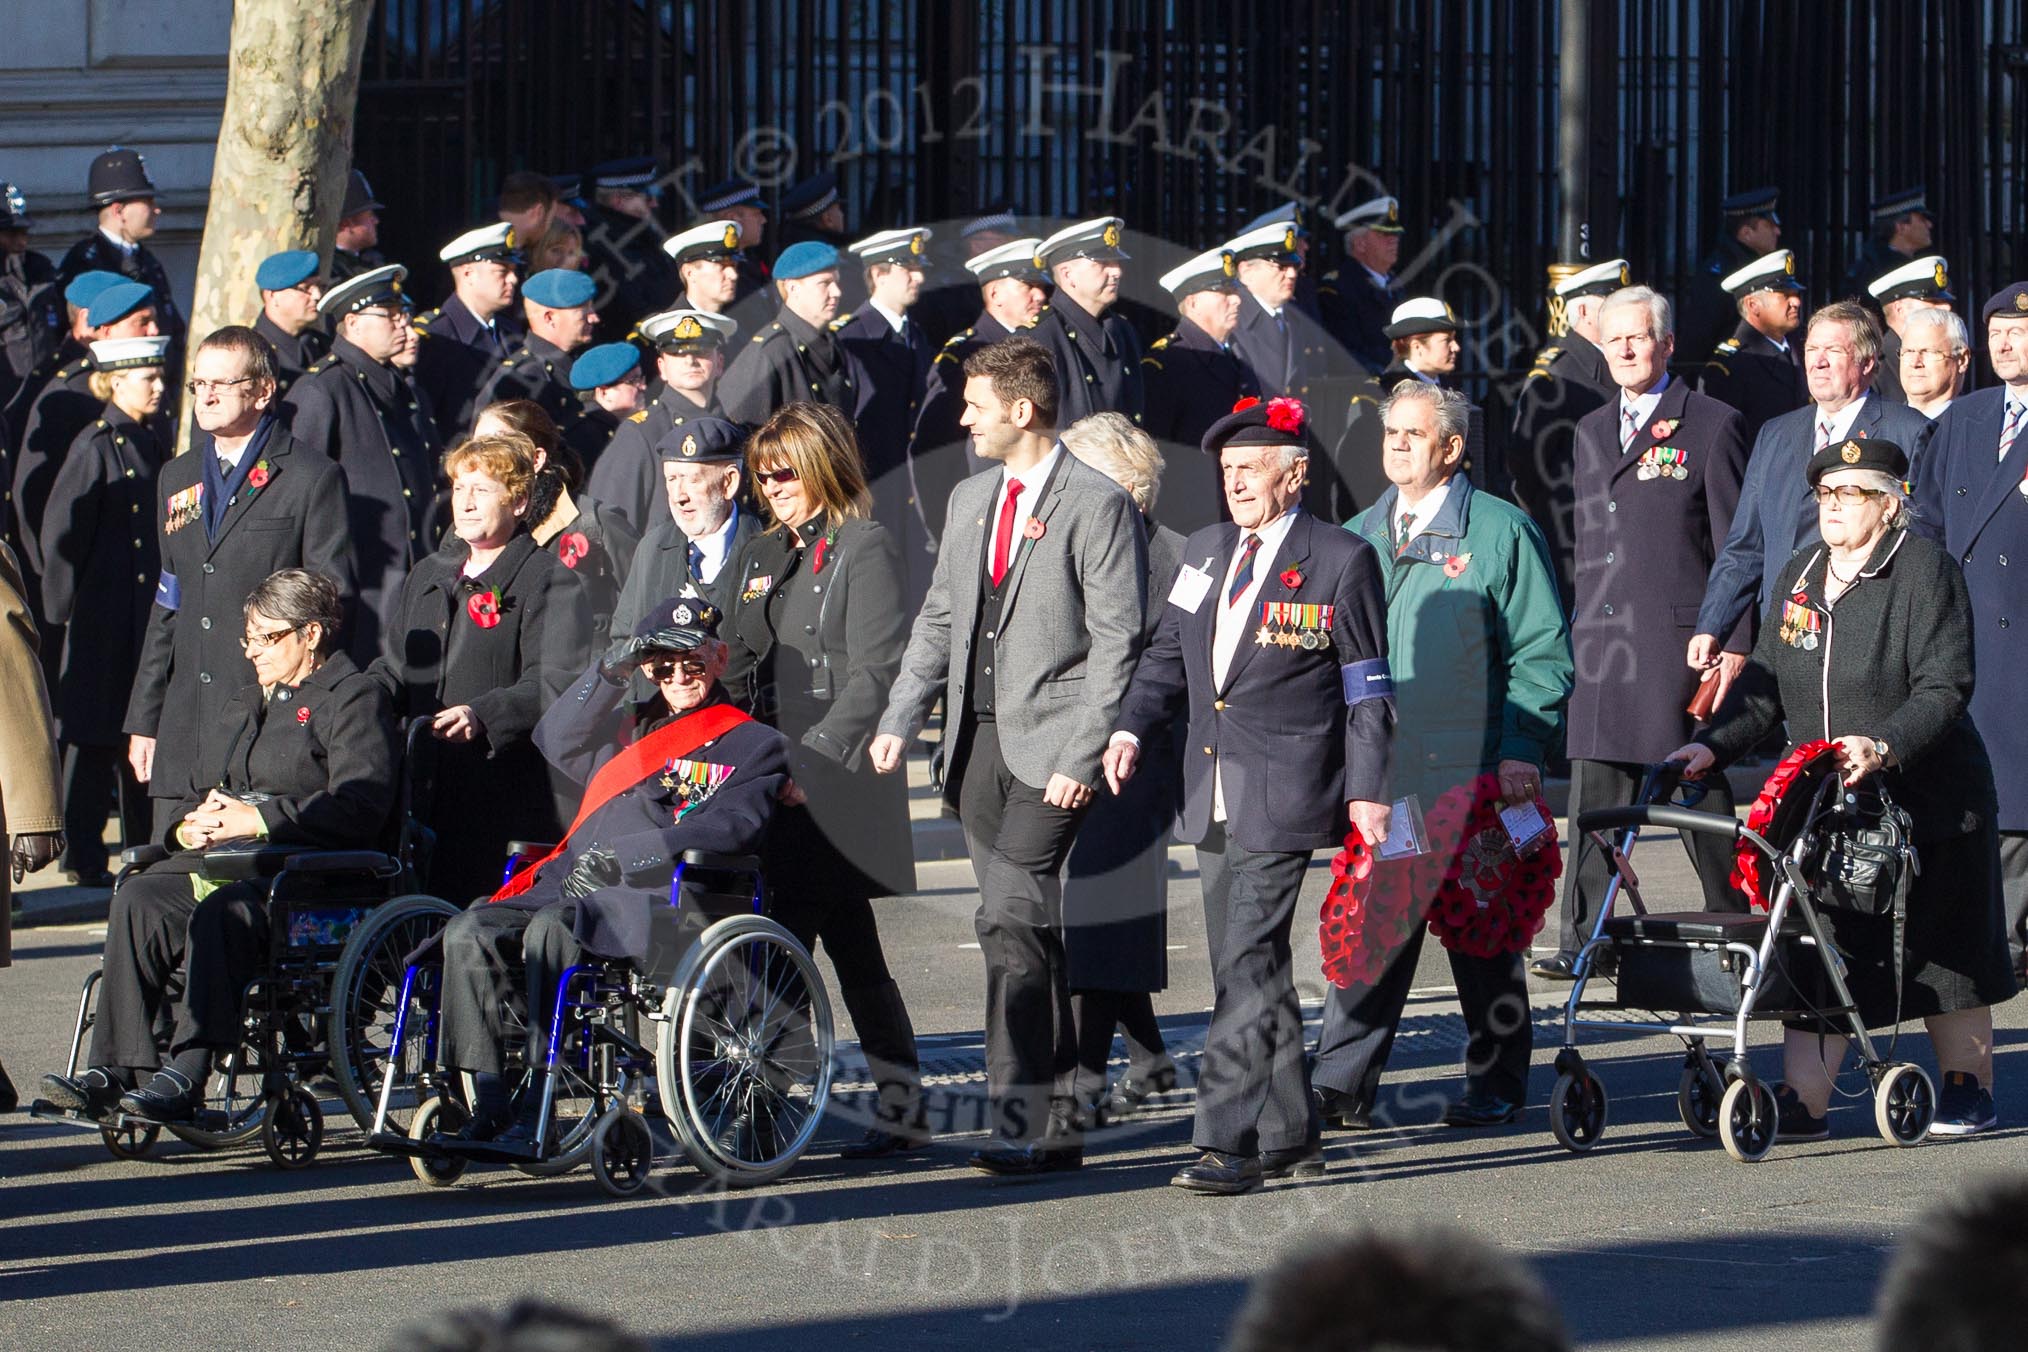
[[940, 450], [455, 354], [1777, 516], [1192, 382], [627, 476], [1292, 751], [537, 370], [1973, 503], [1098, 361], [1284, 359], [1761, 380], [789, 362], [1356, 309], [60, 412], [191, 661], [897, 367], [1568, 380], [1644, 549]]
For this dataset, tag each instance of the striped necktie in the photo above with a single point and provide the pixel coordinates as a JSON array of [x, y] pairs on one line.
[[1626, 427], [1242, 578], [1823, 433], [2017, 413]]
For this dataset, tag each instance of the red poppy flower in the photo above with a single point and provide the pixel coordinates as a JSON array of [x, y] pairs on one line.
[[1286, 415], [1661, 429], [1033, 530], [484, 608], [820, 555], [1292, 578], [1245, 404], [302, 715], [257, 477], [572, 548], [1454, 566]]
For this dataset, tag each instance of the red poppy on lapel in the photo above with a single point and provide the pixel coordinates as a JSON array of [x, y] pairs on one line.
[[821, 555], [572, 548], [484, 608], [1455, 565], [302, 715], [1661, 429], [1033, 530], [257, 477], [1292, 577]]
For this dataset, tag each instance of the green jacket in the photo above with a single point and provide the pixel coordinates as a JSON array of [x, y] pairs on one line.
[[1476, 638]]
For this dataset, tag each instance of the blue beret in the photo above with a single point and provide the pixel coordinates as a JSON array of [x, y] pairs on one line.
[[560, 288], [803, 258], [292, 267], [703, 441], [85, 287], [602, 365], [2010, 300], [118, 301]]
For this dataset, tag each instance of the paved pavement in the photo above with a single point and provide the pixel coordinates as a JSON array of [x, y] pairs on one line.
[[1654, 1241]]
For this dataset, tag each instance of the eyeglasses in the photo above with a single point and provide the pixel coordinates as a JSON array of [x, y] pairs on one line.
[[1848, 495], [785, 475], [204, 387], [662, 668], [260, 643]]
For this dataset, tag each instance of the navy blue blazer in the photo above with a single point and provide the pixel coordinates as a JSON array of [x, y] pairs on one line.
[[1776, 517], [1973, 504], [1298, 732]]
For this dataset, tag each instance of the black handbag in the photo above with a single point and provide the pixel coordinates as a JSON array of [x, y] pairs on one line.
[[1865, 857]]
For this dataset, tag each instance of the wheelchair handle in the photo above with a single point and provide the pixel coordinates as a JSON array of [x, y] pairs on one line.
[[1654, 814]]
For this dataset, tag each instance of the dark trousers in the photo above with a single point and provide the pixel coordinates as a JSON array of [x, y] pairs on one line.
[[1359, 1025], [1097, 1014], [851, 935], [1597, 784], [173, 961], [1018, 844], [91, 775], [493, 956], [1252, 1092], [2014, 890]]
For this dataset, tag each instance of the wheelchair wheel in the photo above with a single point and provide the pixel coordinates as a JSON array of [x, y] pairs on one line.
[[292, 1129], [622, 1152], [743, 1057], [233, 1107], [1577, 1110], [129, 1138], [434, 1115], [365, 1000], [1904, 1105], [1697, 1100], [1746, 1120]]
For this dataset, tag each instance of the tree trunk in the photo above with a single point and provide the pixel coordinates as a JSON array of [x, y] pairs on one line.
[[284, 148]]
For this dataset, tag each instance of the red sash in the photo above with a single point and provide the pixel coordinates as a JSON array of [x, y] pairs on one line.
[[632, 766]]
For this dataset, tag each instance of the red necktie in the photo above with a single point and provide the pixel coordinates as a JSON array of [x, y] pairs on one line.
[[1003, 531]]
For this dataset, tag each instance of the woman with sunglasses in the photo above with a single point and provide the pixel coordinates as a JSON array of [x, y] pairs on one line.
[[486, 633], [819, 607], [306, 756]]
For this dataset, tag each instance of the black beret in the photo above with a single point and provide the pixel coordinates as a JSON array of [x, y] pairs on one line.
[[1876, 453], [1278, 422]]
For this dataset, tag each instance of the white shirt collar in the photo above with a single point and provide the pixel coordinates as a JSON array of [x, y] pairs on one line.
[[1380, 279], [1271, 536], [1033, 477], [1643, 406], [1841, 421], [122, 245], [1423, 512], [716, 545], [895, 319]]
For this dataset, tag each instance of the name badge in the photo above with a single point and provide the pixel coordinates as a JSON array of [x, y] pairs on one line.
[[1191, 587]]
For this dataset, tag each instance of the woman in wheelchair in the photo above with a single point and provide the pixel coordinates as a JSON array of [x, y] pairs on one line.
[[682, 770], [307, 756]]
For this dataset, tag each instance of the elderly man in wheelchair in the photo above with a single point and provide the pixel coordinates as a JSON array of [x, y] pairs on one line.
[[680, 772]]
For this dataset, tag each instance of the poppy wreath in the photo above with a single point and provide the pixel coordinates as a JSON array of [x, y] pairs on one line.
[[1746, 860], [1490, 900]]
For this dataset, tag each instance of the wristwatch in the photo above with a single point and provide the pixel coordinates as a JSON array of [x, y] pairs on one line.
[[1880, 750]]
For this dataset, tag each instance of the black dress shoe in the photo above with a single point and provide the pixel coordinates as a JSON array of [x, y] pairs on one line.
[[478, 1129], [1557, 966], [1220, 1175], [92, 1092], [91, 878], [1481, 1109], [168, 1097], [879, 1143], [1298, 1161], [1130, 1093], [1037, 1157], [1341, 1111]]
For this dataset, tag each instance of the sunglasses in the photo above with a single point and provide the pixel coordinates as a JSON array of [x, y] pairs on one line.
[[662, 668], [785, 475], [1848, 495]]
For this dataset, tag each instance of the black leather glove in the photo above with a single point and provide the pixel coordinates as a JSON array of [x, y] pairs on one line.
[[621, 659], [595, 868], [35, 851]]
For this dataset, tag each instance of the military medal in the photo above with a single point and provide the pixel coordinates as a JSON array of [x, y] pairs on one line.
[[693, 781], [1801, 624], [183, 508]]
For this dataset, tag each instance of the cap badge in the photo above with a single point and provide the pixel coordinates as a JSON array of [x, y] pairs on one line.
[[1943, 280], [2021, 300], [1789, 265], [1289, 240], [682, 615], [508, 242], [1225, 261], [1849, 452], [915, 244], [731, 235], [1393, 211], [690, 445], [1626, 275], [1111, 235], [687, 327]]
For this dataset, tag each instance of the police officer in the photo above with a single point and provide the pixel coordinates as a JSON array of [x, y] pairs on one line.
[[124, 197], [700, 529], [1357, 299], [1759, 370], [1923, 284], [689, 358], [290, 289], [1568, 380], [558, 306], [610, 388], [797, 356], [359, 407], [812, 209], [1751, 226], [1098, 358], [1900, 229], [625, 244], [707, 264], [461, 341], [1283, 348], [1193, 379], [355, 249], [31, 302], [895, 354], [739, 201]]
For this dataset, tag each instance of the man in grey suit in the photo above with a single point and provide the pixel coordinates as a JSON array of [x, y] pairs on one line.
[[1030, 632]]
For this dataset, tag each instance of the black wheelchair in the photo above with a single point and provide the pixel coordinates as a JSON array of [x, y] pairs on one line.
[[739, 1068], [303, 1030]]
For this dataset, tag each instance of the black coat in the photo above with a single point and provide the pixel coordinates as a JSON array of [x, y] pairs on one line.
[[819, 651], [32, 318], [1645, 541], [1568, 380], [897, 369], [96, 253], [495, 788], [1192, 382], [294, 353], [625, 257], [1116, 885], [1285, 359], [99, 570], [455, 354], [940, 450], [789, 362], [627, 476], [326, 752], [1756, 377], [1356, 309], [598, 545], [1098, 361], [191, 661], [536, 370], [369, 419], [581, 732], [661, 569], [57, 416]]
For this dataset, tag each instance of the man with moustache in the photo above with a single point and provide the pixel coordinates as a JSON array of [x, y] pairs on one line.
[[689, 359]]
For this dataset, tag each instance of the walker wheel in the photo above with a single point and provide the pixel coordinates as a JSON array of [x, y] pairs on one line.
[[292, 1129], [1698, 1096], [129, 1138], [1746, 1120], [623, 1152], [1904, 1105], [432, 1116], [1577, 1110]]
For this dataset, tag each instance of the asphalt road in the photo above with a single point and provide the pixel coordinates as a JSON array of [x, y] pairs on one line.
[[1653, 1241]]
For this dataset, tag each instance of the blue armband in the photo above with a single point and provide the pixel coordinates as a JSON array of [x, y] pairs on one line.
[[1367, 680], [168, 591]]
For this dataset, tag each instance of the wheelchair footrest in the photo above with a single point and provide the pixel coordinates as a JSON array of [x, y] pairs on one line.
[[401, 1143], [488, 1152]]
